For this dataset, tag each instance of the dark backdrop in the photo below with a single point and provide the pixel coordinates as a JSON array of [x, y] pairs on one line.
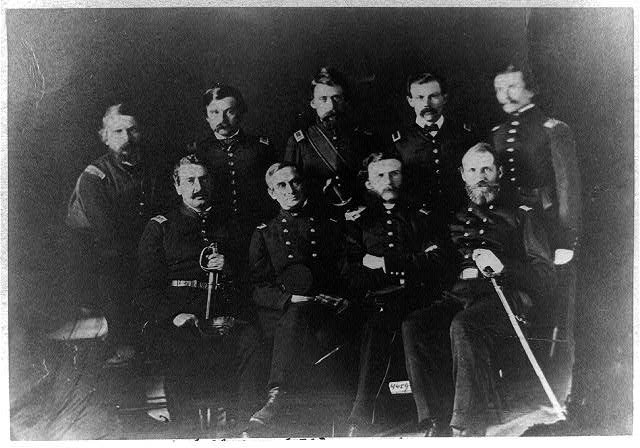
[[66, 66]]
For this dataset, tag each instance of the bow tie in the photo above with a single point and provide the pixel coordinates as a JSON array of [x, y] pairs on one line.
[[431, 128], [226, 142]]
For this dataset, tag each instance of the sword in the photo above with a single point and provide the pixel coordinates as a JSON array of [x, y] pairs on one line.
[[527, 349]]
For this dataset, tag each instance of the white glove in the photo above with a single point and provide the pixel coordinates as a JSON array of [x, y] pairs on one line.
[[562, 256], [296, 298], [373, 262], [484, 259], [183, 318]]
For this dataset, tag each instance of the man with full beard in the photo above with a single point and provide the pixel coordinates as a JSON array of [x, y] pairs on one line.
[[113, 198], [460, 334], [396, 256], [328, 151], [432, 146]]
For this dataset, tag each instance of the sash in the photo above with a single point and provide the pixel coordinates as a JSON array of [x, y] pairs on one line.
[[327, 152]]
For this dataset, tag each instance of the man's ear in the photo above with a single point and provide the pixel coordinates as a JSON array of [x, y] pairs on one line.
[[461, 170], [367, 183], [312, 103], [445, 98], [176, 185], [271, 193], [409, 100]]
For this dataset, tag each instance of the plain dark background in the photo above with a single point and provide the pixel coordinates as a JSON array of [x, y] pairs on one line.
[[65, 67]]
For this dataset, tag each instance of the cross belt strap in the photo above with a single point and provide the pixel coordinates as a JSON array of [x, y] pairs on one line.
[[189, 284]]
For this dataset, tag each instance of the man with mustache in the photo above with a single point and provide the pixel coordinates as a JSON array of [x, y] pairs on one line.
[[460, 335], [173, 280], [329, 150], [293, 258], [396, 256], [539, 158], [113, 198], [432, 146]]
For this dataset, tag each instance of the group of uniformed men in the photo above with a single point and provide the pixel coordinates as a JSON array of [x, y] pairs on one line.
[[381, 226]]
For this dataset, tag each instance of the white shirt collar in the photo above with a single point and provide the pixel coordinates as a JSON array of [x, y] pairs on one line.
[[423, 123], [525, 108], [220, 137]]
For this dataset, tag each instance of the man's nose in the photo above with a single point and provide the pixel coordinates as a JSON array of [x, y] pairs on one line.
[[197, 186], [288, 188]]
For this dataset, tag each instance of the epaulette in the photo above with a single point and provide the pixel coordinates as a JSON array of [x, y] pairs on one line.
[[261, 226], [551, 123], [495, 128], [159, 219], [431, 248], [424, 211], [264, 141], [94, 170], [298, 135], [354, 214], [396, 136], [333, 220], [525, 208], [466, 127]]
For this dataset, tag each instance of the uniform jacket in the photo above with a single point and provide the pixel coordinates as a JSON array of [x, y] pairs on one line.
[[111, 203], [306, 237], [430, 164], [539, 160], [353, 144], [516, 236], [169, 250], [237, 166], [413, 243]]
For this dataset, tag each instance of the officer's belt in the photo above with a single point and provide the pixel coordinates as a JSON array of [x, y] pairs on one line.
[[189, 284]]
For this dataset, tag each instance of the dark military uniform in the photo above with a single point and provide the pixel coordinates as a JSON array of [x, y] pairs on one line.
[[352, 145], [107, 212], [415, 255], [306, 240], [539, 161], [430, 164], [460, 335], [172, 282]]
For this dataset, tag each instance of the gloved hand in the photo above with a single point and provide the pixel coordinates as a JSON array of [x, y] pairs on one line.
[[487, 262], [182, 318], [562, 256], [373, 262]]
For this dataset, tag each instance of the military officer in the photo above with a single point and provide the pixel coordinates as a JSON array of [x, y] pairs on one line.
[[396, 255], [539, 160], [198, 338], [110, 204], [329, 150], [237, 161], [293, 258], [460, 335], [432, 146]]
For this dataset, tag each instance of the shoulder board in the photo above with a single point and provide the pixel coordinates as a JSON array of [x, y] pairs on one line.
[[298, 135], [551, 123], [396, 136], [261, 226], [354, 214], [94, 170], [525, 208], [424, 211], [159, 219], [264, 140], [367, 132], [466, 127], [333, 220], [495, 128]]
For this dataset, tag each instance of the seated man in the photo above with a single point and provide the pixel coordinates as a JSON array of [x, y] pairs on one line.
[[293, 258], [184, 320], [458, 336], [395, 257]]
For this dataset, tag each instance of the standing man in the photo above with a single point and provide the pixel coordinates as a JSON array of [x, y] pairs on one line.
[[432, 146], [237, 161], [112, 200], [459, 336], [197, 353], [328, 152], [294, 257], [396, 257], [539, 160]]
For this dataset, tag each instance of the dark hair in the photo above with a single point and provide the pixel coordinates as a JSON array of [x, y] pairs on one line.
[[331, 77], [384, 154], [423, 78], [219, 91], [527, 75], [191, 159]]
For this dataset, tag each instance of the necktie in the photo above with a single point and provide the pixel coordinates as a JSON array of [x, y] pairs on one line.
[[431, 128]]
